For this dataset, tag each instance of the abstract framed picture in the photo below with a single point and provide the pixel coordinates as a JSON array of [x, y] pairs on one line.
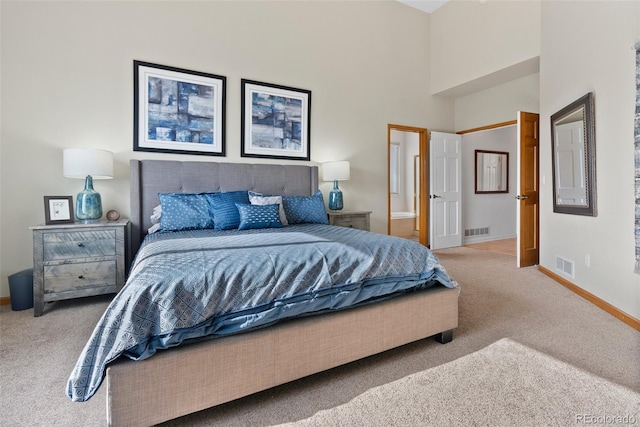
[[275, 121], [177, 110], [58, 210]]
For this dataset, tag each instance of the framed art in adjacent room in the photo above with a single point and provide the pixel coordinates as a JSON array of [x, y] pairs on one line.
[[177, 110], [275, 121], [58, 210]]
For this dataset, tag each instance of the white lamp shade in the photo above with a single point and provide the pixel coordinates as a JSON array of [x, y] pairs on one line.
[[336, 171], [80, 162]]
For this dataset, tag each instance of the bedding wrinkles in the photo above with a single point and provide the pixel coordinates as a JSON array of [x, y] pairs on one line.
[[194, 284]]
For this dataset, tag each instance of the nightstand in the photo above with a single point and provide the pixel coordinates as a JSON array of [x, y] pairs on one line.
[[78, 260], [351, 219]]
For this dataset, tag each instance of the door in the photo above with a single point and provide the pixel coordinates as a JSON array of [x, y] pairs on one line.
[[528, 186], [445, 190]]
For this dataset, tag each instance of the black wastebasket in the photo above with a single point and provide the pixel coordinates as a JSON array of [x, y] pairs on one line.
[[21, 290]]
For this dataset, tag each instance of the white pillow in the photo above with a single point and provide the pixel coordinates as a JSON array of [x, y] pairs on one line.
[[261, 199], [155, 219]]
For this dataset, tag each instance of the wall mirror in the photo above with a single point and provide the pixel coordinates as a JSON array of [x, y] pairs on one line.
[[573, 158], [492, 172]]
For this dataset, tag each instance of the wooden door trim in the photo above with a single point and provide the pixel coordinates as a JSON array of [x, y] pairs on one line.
[[423, 134], [489, 127]]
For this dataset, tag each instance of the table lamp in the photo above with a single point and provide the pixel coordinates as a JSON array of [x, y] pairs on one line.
[[88, 164], [336, 171]]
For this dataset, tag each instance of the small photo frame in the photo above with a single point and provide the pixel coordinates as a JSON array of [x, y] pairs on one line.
[[177, 110], [58, 210], [275, 121]]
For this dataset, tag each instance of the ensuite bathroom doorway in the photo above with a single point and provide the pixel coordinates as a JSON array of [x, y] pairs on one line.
[[408, 187]]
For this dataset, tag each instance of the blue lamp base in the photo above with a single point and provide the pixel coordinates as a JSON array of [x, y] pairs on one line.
[[88, 203], [335, 198]]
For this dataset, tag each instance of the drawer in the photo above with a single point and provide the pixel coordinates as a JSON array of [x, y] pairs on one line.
[[79, 244], [356, 221], [77, 276]]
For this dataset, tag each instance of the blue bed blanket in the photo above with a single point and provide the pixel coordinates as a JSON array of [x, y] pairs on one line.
[[204, 283]]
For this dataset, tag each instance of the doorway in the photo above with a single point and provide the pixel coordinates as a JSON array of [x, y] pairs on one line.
[[407, 182], [521, 214]]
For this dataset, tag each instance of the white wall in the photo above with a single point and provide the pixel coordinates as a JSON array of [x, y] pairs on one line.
[[479, 45], [583, 47], [586, 47], [408, 146], [498, 104], [496, 211], [67, 81]]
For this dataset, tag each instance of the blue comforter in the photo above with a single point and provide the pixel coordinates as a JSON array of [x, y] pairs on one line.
[[205, 283]]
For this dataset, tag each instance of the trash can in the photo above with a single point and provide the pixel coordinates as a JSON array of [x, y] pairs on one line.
[[21, 290]]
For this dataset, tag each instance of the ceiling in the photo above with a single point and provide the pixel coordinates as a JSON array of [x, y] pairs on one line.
[[424, 5]]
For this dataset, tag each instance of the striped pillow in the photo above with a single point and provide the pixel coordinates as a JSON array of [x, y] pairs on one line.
[[223, 208]]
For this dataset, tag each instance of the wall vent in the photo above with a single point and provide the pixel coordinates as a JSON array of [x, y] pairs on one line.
[[476, 231], [565, 266]]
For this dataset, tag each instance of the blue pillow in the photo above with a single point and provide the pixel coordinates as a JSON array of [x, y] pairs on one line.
[[223, 208], [185, 211], [305, 209], [259, 216], [261, 199]]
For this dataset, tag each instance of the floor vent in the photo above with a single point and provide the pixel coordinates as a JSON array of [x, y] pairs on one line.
[[476, 231], [564, 266]]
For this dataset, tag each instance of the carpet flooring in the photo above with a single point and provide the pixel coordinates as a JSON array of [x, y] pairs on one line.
[[497, 300], [505, 383]]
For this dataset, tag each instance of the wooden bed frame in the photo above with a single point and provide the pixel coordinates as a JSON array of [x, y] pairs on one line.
[[197, 376]]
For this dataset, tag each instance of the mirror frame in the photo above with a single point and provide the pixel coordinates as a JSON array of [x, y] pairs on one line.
[[589, 161], [475, 169]]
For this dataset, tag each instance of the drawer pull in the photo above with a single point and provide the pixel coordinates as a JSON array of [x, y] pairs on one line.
[[81, 245], [81, 277]]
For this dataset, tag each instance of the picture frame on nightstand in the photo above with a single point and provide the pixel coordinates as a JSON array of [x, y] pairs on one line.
[[58, 210]]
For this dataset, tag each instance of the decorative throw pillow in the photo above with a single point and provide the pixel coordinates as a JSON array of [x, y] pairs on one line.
[[184, 211], [223, 207], [259, 216], [305, 209], [261, 199]]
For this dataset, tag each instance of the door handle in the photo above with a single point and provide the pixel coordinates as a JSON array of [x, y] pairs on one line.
[[435, 196], [519, 197]]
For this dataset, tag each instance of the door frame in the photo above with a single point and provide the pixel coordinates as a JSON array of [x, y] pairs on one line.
[[536, 230], [423, 220]]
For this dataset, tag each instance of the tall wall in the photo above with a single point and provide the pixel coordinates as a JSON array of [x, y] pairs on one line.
[[583, 46], [498, 104], [587, 47], [67, 81], [476, 45]]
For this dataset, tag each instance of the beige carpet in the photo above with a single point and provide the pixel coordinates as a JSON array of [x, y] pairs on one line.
[[504, 384], [498, 300]]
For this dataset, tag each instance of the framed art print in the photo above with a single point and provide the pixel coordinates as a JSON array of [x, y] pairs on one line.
[[177, 110], [58, 210], [275, 121]]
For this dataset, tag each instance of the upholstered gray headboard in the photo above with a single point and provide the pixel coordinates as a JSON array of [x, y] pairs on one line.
[[150, 177]]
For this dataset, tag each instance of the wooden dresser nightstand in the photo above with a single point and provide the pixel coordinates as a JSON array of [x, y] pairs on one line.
[[78, 260], [351, 219]]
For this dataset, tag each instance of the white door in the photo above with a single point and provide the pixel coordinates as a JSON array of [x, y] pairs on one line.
[[445, 190]]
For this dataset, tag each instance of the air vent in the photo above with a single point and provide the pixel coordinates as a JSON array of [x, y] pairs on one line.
[[476, 231], [565, 266]]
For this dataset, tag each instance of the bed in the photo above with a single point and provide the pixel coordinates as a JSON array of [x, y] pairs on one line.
[[363, 294]]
